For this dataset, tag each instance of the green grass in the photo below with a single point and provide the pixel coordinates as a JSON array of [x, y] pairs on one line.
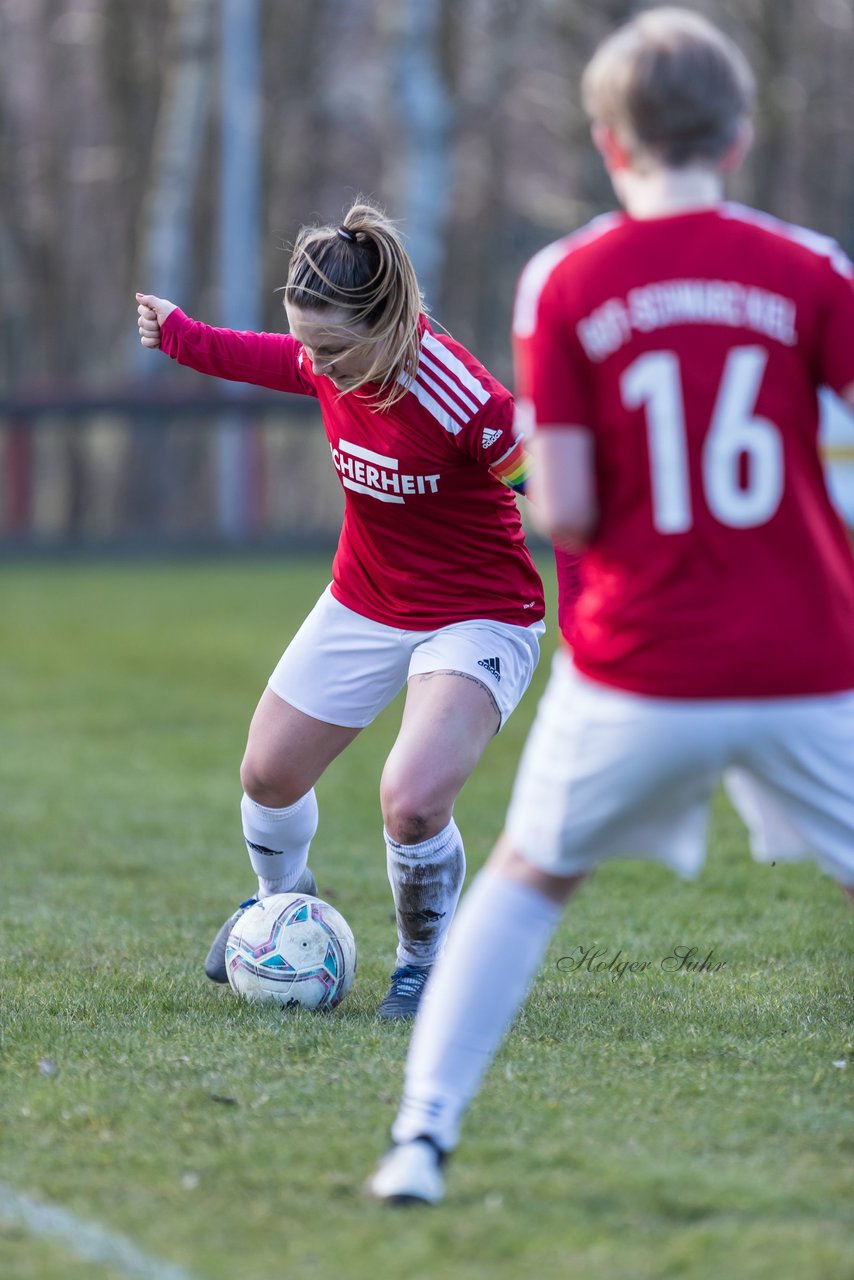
[[648, 1126]]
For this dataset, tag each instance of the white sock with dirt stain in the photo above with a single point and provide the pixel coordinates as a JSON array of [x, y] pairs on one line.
[[426, 880]]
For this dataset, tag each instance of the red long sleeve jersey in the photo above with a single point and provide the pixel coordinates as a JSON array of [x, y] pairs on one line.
[[692, 347], [431, 532]]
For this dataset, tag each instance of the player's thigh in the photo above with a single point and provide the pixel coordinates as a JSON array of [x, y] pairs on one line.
[[340, 667], [497, 655], [793, 783], [287, 751], [464, 682], [606, 773], [448, 719]]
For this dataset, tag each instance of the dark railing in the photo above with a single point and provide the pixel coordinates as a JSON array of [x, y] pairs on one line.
[[143, 469], [138, 469]]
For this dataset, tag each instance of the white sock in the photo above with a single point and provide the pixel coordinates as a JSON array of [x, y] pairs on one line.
[[426, 880], [277, 841], [493, 952]]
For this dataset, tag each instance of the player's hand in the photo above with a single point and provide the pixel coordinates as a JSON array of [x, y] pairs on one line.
[[152, 313]]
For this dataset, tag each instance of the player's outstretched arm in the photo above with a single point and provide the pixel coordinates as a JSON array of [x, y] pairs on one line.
[[273, 360], [152, 312]]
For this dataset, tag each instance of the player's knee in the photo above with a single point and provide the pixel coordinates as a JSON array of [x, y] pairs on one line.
[[411, 815], [268, 783], [408, 828]]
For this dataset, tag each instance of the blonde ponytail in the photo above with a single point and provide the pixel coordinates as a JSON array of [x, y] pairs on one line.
[[361, 267]]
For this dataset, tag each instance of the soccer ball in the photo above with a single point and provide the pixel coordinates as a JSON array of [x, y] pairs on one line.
[[293, 950]]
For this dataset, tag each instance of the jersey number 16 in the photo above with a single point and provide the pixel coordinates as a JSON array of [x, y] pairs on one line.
[[737, 496]]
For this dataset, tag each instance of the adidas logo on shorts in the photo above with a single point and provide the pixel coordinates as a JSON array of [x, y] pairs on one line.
[[492, 665]]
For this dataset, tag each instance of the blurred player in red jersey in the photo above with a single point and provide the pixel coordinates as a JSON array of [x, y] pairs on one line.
[[669, 357], [432, 585]]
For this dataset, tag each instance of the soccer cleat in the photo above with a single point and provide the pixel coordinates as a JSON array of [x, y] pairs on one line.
[[410, 1173], [215, 962], [405, 991]]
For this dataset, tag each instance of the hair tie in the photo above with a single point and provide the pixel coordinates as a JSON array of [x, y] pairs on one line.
[[346, 234]]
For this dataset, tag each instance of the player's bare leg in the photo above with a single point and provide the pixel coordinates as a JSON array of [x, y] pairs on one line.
[[448, 719], [494, 950], [506, 861], [286, 753]]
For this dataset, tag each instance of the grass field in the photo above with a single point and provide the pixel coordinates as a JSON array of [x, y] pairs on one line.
[[654, 1125]]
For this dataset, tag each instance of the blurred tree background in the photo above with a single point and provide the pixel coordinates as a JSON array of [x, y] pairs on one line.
[[461, 116]]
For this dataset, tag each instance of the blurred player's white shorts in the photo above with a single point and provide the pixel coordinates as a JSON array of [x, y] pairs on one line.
[[344, 669], [608, 774]]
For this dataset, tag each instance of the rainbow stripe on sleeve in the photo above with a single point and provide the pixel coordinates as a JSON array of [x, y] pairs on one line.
[[513, 468]]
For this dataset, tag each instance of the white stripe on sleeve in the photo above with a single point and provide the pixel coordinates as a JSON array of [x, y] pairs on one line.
[[451, 362]]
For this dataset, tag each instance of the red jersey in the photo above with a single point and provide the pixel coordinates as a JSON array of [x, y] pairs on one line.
[[431, 532], [692, 347]]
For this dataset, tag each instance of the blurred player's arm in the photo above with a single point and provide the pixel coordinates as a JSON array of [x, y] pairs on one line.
[[562, 485], [847, 395]]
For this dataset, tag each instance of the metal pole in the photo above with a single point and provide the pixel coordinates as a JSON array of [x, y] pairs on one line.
[[239, 255]]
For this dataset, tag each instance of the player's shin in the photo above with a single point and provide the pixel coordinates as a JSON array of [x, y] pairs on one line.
[[277, 841], [426, 880], [493, 952]]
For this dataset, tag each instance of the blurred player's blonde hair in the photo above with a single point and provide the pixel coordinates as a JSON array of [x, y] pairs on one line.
[[361, 267], [671, 86]]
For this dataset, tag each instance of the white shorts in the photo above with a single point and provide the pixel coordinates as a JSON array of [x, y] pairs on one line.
[[607, 773], [344, 669]]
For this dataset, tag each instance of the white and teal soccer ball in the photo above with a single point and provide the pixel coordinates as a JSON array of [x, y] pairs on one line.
[[293, 950]]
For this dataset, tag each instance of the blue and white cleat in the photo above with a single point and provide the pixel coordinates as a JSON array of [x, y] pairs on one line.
[[405, 991], [410, 1173], [215, 962]]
